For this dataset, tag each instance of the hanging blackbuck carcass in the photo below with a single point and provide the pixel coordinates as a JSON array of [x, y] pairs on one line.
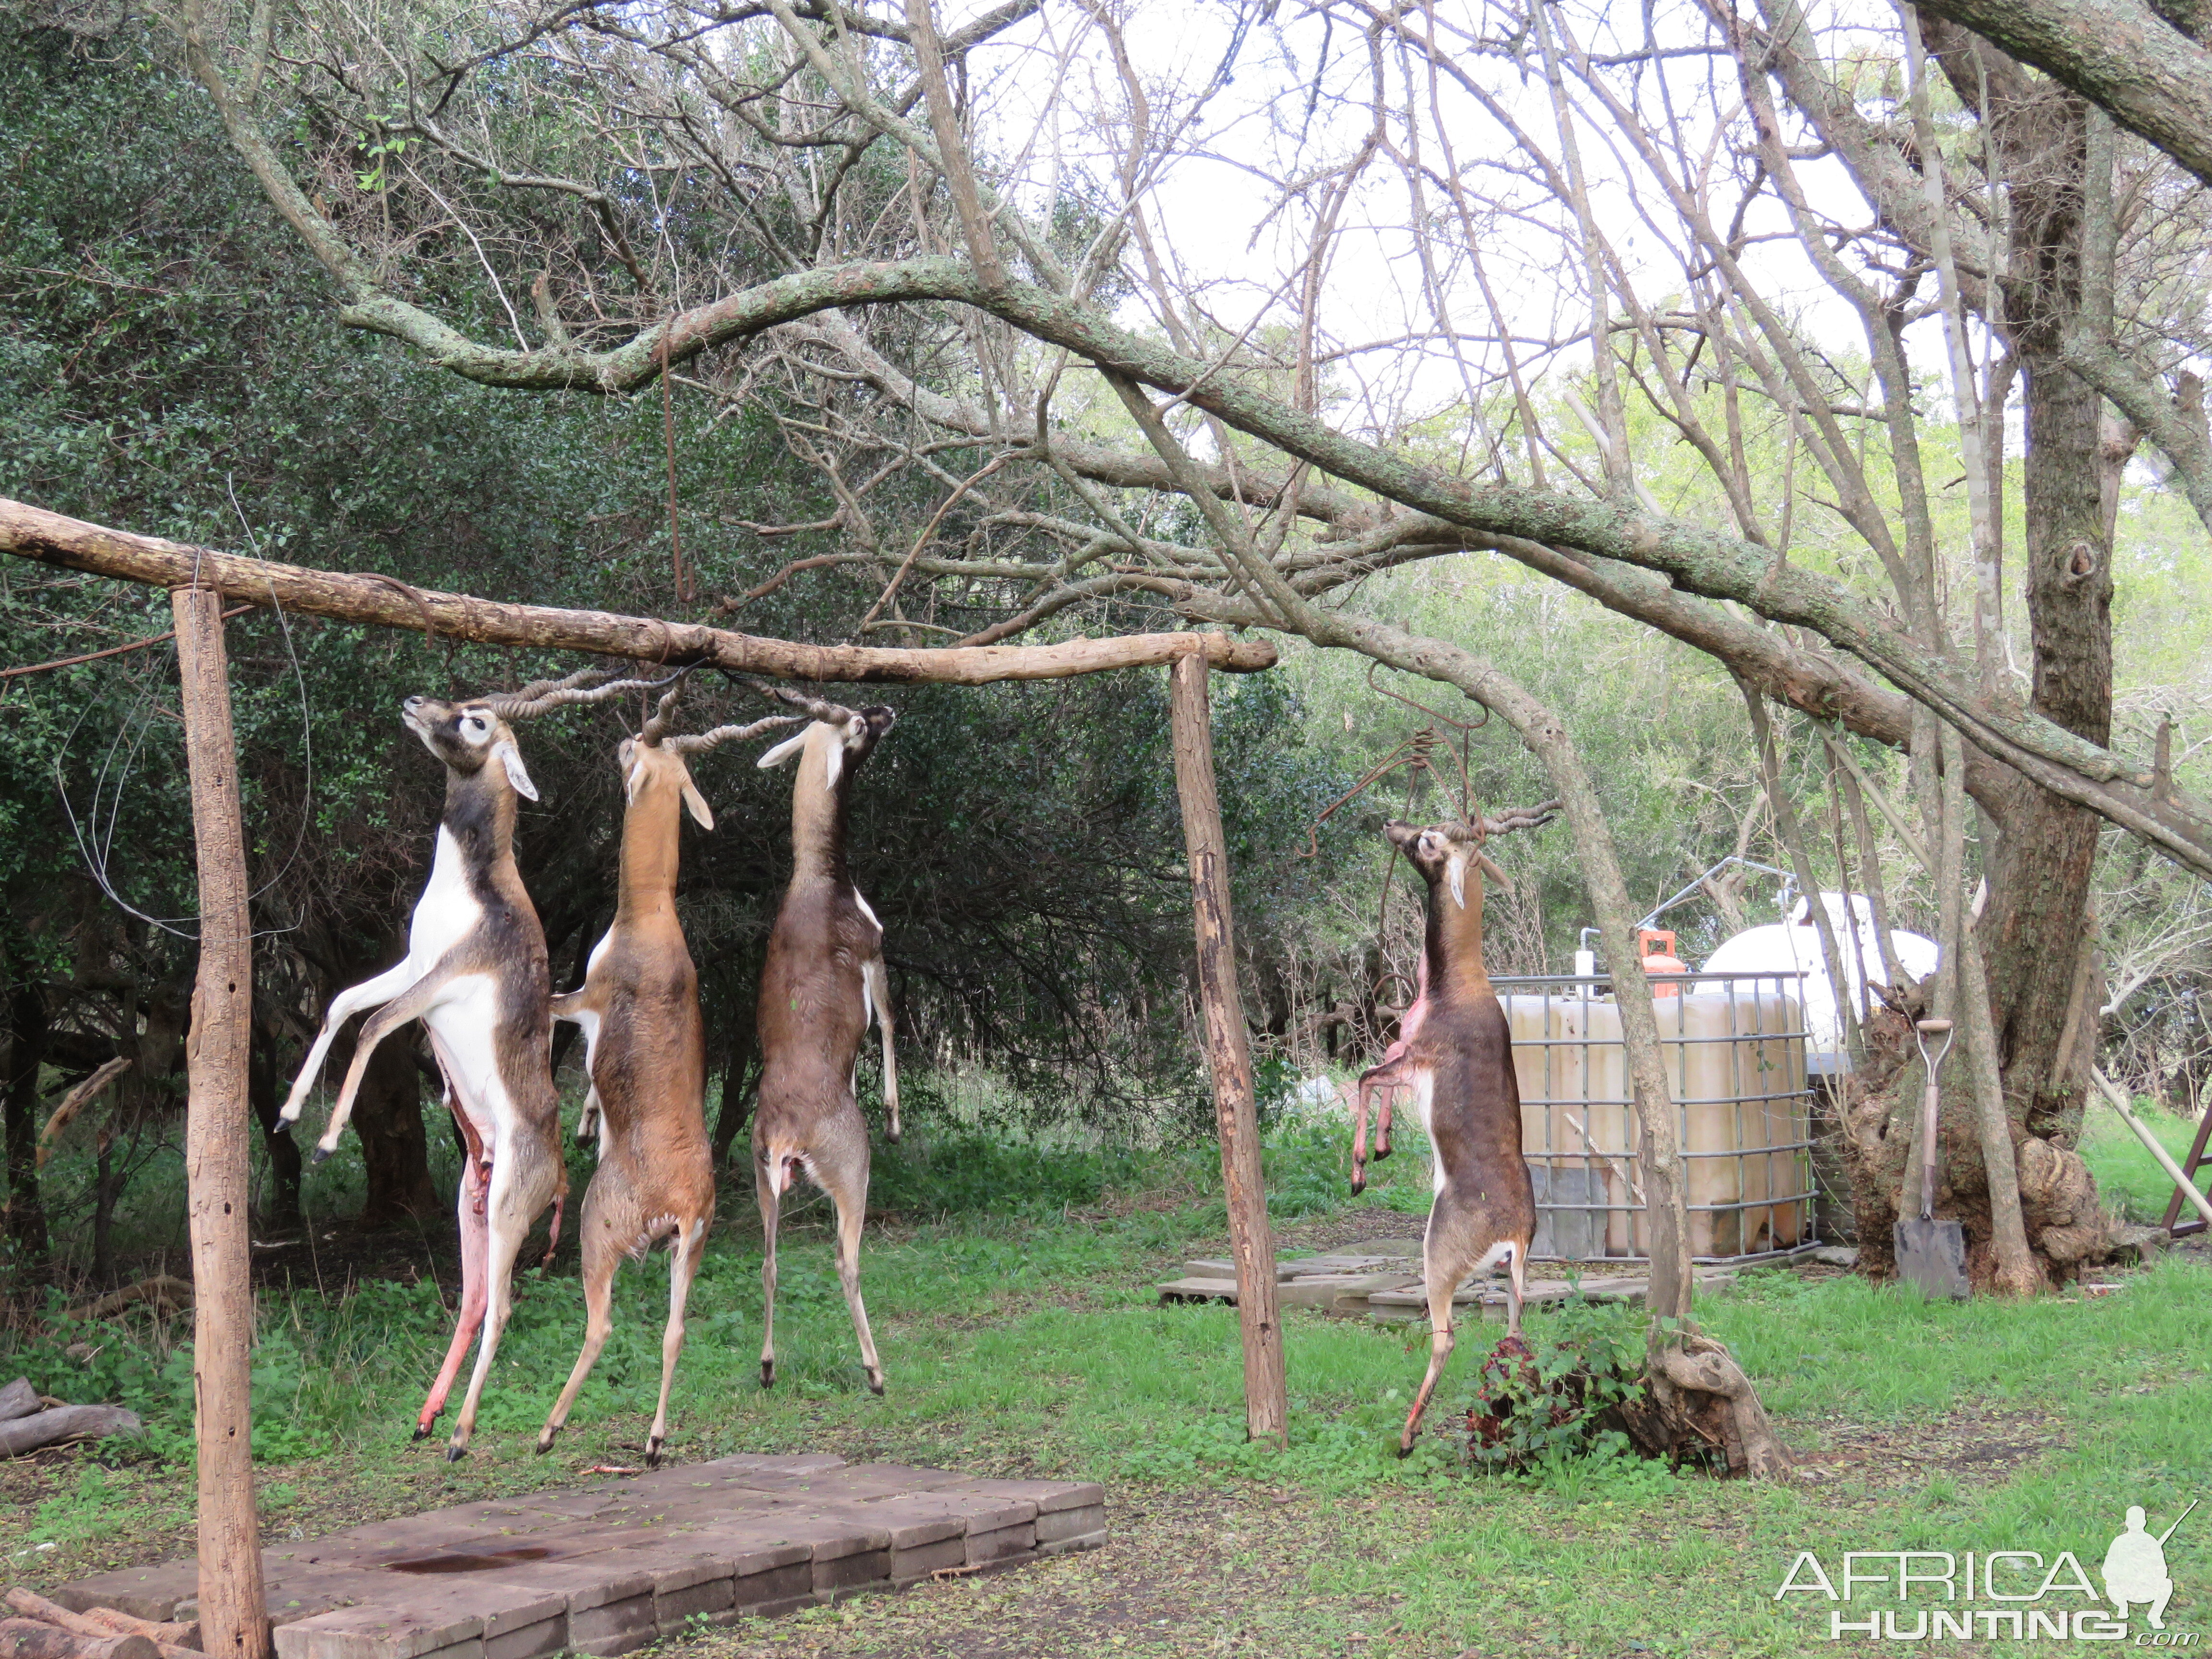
[[822, 981], [475, 974], [1454, 1057], [645, 1052]]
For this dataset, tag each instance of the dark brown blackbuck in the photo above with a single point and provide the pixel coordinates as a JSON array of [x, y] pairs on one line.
[[1454, 1056], [645, 1055], [824, 979], [475, 974]]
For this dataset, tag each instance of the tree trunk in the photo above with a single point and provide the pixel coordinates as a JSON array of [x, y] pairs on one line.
[[282, 1208], [218, 1174], [1229, 1059], [28, 1238], [387, 1116], [2040, 867]]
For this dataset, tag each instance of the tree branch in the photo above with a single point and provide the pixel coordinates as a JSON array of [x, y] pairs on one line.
[[34, 533]]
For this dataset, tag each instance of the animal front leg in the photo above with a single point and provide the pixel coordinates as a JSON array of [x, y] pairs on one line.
[[1379, 1078], [417, 1000], [369, 993]]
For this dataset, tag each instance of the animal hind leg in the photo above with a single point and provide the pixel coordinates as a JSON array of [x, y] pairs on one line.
[[510, 1210], [474, 1239], [559, 1203], [765, 1173], [847, 1185], [683, 1251], [1449, 1252], [880, 992], [602, 1260]]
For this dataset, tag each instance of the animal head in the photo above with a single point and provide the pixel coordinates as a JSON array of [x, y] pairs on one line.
[[656, 761], [472, 733], [1443, 852], [841, 738]]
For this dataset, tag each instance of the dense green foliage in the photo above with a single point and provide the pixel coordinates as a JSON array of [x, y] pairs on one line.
[[168, 362]]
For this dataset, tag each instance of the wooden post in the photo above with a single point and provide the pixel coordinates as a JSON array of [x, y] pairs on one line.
[[233, 1618], [1251, 1240]]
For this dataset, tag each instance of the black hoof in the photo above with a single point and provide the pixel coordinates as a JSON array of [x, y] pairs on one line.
[[421, 1431], [455, 1454], [1405, 1451], [653, 1457], [320, 1154], [545, 1443], [1358, 1185], [283, 1126], [768, 1373], [891, 1136], [876, 1387], [1382, 1152]]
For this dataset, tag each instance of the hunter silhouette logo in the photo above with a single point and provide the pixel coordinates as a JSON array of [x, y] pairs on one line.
[[2134, 1569], [2021, 1596]]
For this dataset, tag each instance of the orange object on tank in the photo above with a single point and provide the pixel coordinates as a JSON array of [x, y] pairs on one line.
[[1656, 946]]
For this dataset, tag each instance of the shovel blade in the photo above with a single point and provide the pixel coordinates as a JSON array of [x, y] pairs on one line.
[[1932, 1254]]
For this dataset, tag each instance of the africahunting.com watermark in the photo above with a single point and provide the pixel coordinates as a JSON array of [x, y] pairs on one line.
[[2000, 1594]]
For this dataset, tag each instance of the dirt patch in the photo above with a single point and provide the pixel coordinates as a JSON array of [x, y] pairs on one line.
[[1976, 1445]]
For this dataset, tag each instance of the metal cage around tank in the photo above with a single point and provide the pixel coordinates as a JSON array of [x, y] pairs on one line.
[[1734, 1048]]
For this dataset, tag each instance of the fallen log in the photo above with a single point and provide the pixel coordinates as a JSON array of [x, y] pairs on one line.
[[30, 1638], [75, 1102], [161, 1287], [32, 1605], [52, 1427], [175, 1641], [18, 1399]]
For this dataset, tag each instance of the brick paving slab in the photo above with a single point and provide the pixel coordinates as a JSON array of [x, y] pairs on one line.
[[611, 1568]]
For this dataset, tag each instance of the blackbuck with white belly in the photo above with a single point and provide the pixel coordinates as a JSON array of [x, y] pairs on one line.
[[1454, 1056], [475, 974], [822, 981], [645, 1054]]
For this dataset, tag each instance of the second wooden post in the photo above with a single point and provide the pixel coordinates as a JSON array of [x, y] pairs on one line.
[[233, 1618], [1252, 1241]]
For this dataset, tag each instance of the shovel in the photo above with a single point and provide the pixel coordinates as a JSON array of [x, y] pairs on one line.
[[1932, 1254]]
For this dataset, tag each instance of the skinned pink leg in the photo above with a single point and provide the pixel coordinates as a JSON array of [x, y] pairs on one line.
[[476, 1242]]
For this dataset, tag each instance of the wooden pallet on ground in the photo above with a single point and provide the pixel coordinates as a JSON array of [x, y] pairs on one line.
[[1381, 1279], [620, 1564]]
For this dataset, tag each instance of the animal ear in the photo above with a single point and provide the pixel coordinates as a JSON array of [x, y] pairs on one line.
[[1456, 869], [835, 763], [782, 751], [517, 773], [1490, 868], [695, 803]]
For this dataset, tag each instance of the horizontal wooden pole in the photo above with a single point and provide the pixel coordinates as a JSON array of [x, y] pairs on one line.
[[385, 602]]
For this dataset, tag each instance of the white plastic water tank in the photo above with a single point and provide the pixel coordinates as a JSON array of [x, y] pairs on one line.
[[1794, 944]]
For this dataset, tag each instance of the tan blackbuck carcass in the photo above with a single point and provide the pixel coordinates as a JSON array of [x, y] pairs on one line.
[[645, 1053], [822, 981], [475, 974], [1454, 1056]]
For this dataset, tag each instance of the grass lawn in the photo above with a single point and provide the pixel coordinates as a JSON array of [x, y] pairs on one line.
[[1028, 1341]]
